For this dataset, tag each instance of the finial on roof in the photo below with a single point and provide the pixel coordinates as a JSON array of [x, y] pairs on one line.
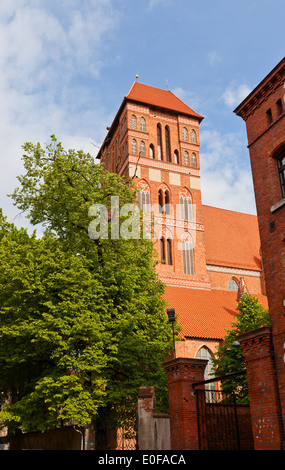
[[137, 76]]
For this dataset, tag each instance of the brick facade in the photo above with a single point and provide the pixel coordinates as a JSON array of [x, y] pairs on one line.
[[263, 113], [132, 149]]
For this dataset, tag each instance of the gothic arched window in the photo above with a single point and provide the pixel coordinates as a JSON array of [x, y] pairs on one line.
[[167, 144], [210, 388], [188, 255], [193, 136], [184, 134], [133, 122], [186, 158], [134, 146], [142, 148], [159, 142], [142, 124], [186, 210], [176, 157]]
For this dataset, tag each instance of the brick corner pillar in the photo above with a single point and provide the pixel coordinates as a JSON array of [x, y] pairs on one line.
[[263, 389], [181, 374]]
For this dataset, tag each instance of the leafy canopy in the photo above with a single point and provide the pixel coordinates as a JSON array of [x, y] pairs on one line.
[[229, 358], [82, 320]]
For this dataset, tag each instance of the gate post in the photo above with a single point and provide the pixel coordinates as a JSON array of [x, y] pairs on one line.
[[181, 374], [262, 389]]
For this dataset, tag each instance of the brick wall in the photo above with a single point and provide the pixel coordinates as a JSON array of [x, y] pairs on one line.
[[264, 139]]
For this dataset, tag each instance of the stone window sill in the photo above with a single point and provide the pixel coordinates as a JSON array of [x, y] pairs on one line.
[[278, 205]]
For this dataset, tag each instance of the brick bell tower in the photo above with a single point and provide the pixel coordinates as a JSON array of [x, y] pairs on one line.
[[154, 139]]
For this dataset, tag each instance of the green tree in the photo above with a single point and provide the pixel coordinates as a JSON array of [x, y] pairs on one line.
[[109, 327], [229, 358]]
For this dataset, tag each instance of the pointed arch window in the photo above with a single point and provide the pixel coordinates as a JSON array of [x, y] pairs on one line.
[[210, 388], [151, 151], [193, 136], [176, 157], [159, 142], [142, 148], [164, 199], [188, 254], [233, 285], [162, 249], [142, 124], [186, 209], [185, 134], [133, 121], [167, 144], [143, 196], [186, 158], [194, 160], [166, 253], [134, 146]]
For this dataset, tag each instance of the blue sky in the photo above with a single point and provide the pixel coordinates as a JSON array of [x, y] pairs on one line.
[[66, 66]]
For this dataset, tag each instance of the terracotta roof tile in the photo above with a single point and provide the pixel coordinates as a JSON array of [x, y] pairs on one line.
[[160, 98], [202, 313], [231, 239]]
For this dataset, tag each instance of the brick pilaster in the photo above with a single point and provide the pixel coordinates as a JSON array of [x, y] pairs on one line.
[[262, 388], [181, 374]]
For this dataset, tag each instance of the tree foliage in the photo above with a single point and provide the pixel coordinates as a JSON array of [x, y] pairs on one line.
[[229, 358], [82, 320]]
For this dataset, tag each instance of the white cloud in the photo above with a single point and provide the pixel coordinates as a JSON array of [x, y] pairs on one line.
[[235, 94], [214, 58], [154, 3], [46, 48], [226, 179]]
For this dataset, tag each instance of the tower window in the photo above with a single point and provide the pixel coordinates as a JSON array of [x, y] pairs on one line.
[[185, 200], [188, 256], [162, 250], [269, 116], [142, 124], [151, 151], [194, 160], [193, 136], [164, 199], [176, 157], [167, 143], [134, 146], [186, 158], [166, 250], [184, 134], [169, 251], [279, 107], [159, 142], [133, 122], [143, 198], [142, 148]]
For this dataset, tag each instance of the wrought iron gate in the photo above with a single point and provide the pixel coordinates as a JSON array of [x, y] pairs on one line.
[[217, 420]]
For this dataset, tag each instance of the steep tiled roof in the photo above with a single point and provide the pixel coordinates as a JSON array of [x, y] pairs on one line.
[[202, 313], [231, 239], [159, 98]]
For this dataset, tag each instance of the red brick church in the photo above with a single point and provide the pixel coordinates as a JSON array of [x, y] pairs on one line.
[[208, 255]]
